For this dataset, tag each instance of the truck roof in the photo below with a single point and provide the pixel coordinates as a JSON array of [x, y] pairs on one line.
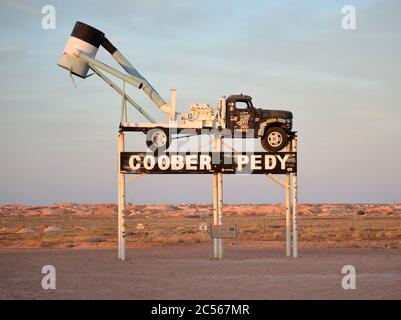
[[239, 97]]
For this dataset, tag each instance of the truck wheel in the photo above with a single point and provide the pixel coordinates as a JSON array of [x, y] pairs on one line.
[[275, 139], [158, 140]]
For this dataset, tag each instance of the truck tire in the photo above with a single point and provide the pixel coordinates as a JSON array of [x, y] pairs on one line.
[[274, 139], [158, 140]]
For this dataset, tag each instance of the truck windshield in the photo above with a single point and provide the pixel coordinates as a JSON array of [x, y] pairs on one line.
[[241, 105]]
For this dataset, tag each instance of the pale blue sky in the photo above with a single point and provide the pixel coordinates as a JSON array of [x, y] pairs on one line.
[[58, 143]]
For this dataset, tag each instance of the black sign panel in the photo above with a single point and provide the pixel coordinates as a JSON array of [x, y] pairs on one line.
[[212, 162]]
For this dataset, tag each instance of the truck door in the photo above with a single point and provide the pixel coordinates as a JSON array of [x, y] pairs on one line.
[[241, 116]]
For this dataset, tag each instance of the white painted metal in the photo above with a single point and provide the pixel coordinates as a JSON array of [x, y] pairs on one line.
[[221, 108], [70, 62], [220, 210], [136, 82], [218, 201], [288, 215], [172, 124], [200, 116], [147, 87], [294, 205], [173, 98], [289, 185], [121, 92], [119, 192], [288, 210], [123, 105], [121, 200], [215, 215]]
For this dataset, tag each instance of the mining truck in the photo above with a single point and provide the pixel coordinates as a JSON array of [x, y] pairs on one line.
[[234, 114], [240, 118]]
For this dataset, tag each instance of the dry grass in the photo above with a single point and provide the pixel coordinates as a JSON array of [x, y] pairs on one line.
[[342, 231]]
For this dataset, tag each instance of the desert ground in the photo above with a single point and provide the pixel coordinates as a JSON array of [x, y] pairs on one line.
[[186, 272], [170, 258]]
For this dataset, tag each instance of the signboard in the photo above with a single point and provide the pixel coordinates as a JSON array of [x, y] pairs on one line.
[[210, 162]]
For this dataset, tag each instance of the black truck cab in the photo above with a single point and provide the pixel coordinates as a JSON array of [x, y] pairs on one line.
[[273, 127]]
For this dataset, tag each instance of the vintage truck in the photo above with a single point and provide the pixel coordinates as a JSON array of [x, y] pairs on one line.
[[239, 119], [273, 127], [234, 116]]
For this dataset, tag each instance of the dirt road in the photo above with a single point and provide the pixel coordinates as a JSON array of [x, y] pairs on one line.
[[186, 272]]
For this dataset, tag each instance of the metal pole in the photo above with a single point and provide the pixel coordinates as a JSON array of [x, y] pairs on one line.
[[294, 205], [220, 210], [287, 216], [147, 87], [288, 209], [121, 92], [119, 195], [219, 179], [121, 200], [135, 81], [218, 202], [123, 106], [215, 215]]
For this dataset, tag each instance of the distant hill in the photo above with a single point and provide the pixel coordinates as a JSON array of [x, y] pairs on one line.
[[199, 210]]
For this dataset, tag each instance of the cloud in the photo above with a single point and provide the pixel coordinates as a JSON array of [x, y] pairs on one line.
[[22, 7], [7, 53]]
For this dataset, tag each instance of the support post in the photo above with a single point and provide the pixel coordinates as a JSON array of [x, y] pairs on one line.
[[215, 215], [294, 204], [288, 209], [220, 210], [287, 216], [218, 202], [121, 200]]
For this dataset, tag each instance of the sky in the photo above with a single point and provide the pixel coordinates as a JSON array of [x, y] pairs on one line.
[[58, 143]]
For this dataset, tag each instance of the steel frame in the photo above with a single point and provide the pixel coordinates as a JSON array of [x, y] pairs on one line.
[[291, 198], [137, 80]]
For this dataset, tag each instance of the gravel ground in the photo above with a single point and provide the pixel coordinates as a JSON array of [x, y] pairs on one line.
[[187, 272]]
